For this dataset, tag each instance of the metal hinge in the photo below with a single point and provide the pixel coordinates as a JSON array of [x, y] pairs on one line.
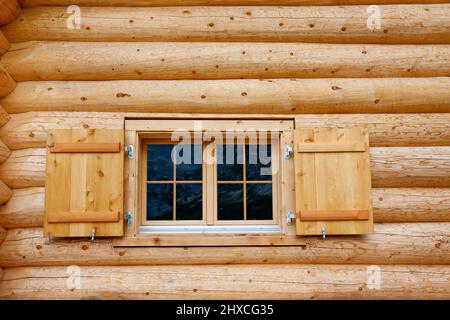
[[289, 217], [288, 152], [129, 217], [129, 149]]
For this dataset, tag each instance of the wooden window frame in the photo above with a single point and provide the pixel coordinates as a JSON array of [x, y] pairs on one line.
[[137, 130]]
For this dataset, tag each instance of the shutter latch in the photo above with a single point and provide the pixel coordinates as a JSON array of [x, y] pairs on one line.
[[289, 216], [129, 149], [288, 152], [129, 217]]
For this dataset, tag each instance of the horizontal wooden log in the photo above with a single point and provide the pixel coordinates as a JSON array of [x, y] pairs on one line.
[[280, 96], [162, 61], [26, 207], [4, 117], [4, 44], [167, 3], [7, 83], [227, 282], [338, 24], [385, 130], [9, 11], [410, 167], [410, 204], [24, 168], [391, 167], [28, 130], [5, 194], [4, 152], [392, 243]]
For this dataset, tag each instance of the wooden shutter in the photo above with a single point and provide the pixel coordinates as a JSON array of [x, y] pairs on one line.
[[84, 183], [332, 182]]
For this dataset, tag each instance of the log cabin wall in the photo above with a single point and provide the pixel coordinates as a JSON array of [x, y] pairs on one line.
[[315, 61]]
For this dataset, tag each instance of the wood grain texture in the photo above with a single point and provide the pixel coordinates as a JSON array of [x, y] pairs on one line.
[[227, 282], [25, 209], [4, 152], [9, 11], [79, 184], [162, 3], [392, 243], [172, 61], [411, 204], [84, 147], [338, 24], [410, 167], [391, 167], [5, 194], [24, 168], [4, 117], [7, 83], [4, 44], [28, 130], [3, 233], [386, 130], [280, 96]]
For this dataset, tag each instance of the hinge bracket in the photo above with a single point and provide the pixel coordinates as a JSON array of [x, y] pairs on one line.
[[289, 217], [129, 217], [288, 152], [129, 149]]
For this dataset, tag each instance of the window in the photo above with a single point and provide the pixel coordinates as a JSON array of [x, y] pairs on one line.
[[220, 179]]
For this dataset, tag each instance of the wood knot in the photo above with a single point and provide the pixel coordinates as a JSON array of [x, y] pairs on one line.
[[122, 95]]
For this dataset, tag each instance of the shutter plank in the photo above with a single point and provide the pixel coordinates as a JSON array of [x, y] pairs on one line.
[[332, 179], [92, 185]]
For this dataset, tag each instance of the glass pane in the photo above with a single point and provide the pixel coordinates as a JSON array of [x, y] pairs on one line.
[[230, 159], [159, 162], [159, 201], [230, 201], [189, 201], [259, 201], [258, 159], [189, 162]]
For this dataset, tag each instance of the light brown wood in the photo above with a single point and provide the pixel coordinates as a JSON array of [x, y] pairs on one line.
[[84, 147], [411, 204], [162, 3], [337, 24], [330, 147], [9, 11], [414, 167], [4, 44], [391, 243], [7, 84], [58, 217], [386, 130], [26, 207], [84, 183], [332, 181], [4, 117], [150, 61], [5, 194], [280, 96], [333, 215], [24, 168], [3, 233], [410, 167], [4, 152], [28, 130], [228, 282]]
